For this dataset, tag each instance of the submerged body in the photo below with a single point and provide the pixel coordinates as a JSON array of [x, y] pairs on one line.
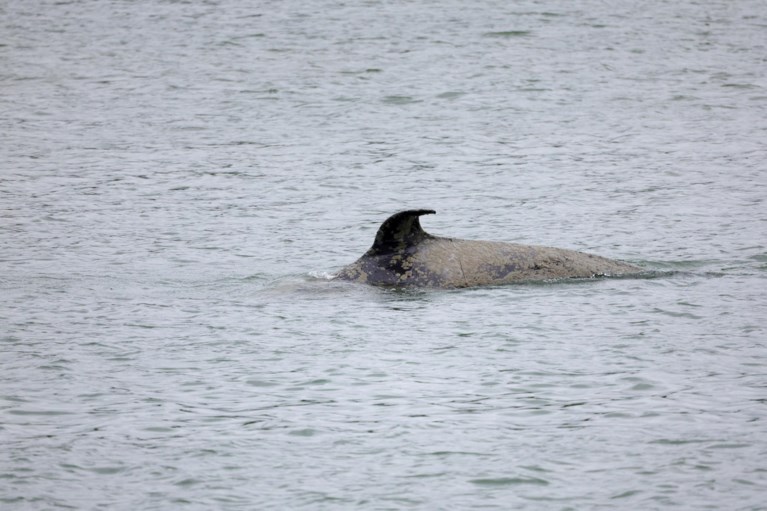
[[405, 255]]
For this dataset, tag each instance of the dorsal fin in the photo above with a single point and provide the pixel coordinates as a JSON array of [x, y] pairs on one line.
[[399, 231]]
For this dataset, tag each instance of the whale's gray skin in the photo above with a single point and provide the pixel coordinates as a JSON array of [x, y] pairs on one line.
[[403, 254]]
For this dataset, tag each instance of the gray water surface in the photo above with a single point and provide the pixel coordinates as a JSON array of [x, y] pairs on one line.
[[179, 180]]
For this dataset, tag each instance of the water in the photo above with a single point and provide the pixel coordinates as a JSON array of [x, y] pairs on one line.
[[180, 179]]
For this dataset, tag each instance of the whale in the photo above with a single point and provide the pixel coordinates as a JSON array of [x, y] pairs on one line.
[[404, 255]]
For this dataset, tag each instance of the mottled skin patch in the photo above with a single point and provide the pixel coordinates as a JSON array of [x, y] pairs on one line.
[[403, 254]]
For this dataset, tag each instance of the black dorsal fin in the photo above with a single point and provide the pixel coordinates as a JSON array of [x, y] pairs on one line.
[[399, 231]]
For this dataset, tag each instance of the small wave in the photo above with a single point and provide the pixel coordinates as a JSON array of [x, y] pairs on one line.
[[508, 481], [321, 275]]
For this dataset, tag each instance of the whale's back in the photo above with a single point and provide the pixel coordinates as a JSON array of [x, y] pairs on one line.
[[405, 255]]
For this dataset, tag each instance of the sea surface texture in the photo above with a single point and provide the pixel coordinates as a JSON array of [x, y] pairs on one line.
[[179, 180]]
